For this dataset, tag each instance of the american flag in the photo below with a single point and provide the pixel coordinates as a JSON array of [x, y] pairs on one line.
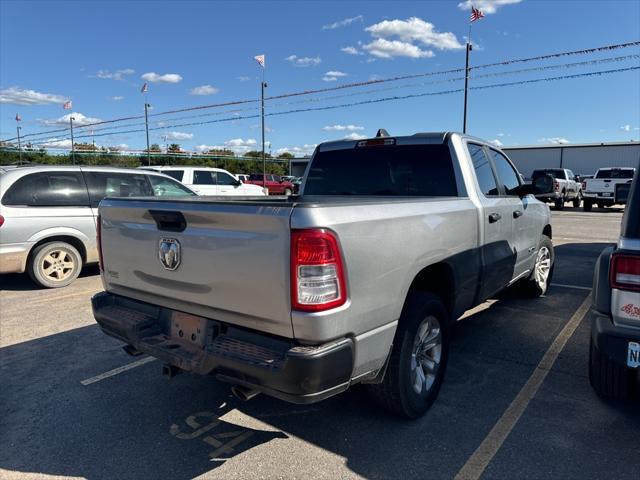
[[18, 118], [260, 60], [67, 105], [145, 88], [476, 14]]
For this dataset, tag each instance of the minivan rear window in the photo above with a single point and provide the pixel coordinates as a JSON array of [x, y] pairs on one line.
[[615, 173], [48, 189], [389, 170]]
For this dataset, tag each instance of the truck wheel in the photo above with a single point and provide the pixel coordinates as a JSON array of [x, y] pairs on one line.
[[418, 358], [54, 264], [559, 203], [538, 281], [607, 378], [577, 201], [586, 205], [287, 192]]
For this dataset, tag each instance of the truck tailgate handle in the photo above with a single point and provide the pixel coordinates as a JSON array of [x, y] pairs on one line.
[[169, 221], [494, 217], [517, 213]]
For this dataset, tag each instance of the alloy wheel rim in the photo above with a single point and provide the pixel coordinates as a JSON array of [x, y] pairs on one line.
[[58, 265], [426, 355], [542, 267]]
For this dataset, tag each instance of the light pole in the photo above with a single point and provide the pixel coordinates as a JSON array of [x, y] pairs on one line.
[[73, 154], [263, 85], [146, 125], [18, 128], [466, 83]]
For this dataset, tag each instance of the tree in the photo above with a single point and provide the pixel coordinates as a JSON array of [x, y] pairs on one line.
[[286, 155], [256, 154], [155, 148], [174, 148], [85, 147]]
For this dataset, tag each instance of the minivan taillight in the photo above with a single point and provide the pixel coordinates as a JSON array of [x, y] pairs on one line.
[[625, 272], [99, 241], [1, 220], [317, 273]]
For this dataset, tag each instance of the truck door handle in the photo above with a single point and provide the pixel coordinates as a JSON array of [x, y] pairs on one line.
[[169, 221], [517, 213], [494, 217]]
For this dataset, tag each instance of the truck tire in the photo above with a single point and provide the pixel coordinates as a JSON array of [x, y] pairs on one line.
[[577, 201], [607, 378], [586, 205], [418, 359], [54, 264], [559, 203], [538, 281]]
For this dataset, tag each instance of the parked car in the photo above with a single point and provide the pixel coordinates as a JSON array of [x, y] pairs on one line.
[[614, 357], [208, 181], [296, 182], [601, 189], [274, 183], [358, 280], [48, 215], [567, 186]]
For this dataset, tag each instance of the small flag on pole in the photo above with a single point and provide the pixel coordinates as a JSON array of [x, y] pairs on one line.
[[145, 88], [476, 14], [68, 105], [18, 118], [260, 60]]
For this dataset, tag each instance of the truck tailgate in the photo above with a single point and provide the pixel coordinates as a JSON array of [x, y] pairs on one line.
[[234, 258]]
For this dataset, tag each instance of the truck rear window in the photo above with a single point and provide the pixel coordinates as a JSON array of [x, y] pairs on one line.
[[615, 173], [402, 170], [555, 173]]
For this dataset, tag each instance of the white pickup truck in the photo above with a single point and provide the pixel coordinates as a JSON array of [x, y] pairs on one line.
[[566, 186], [601, 189]]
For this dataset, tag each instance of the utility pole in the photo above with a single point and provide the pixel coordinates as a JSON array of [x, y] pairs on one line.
[[466, 82], [73, 154], [19, 145], [146, 124], [263, 85]]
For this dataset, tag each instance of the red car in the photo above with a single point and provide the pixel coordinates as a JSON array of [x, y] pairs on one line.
[[274, 183]]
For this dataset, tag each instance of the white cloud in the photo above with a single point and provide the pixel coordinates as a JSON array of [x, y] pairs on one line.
[[333, 75], [244, 78], [21, 96], [355, 136], [342, 23], [486, 6], [626, 128], [303, 61], [117, 75], [204, 90], [117, 98], [554, 140], [500, 134], [342, 128], [179, 136], [154, 77], [205, 148], [56, 143], [415, 30], [382, 48], [120, 146], [79, 120], [298, 151], [351, 50], [497, 142]]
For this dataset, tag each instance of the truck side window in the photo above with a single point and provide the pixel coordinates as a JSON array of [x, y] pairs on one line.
[[224, 179], [507, 175], [484, 173], [204, 177]]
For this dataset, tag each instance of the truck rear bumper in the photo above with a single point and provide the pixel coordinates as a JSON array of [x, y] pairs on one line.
[[610, 339], [275, 366]]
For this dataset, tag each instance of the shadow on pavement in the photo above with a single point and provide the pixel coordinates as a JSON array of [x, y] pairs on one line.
[[22, 281]]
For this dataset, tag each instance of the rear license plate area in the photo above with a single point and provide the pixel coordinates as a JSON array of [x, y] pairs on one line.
[[188, 328], [606, 194], [633, 355]]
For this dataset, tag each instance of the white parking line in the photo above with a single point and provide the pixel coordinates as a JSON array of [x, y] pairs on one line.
[[116, 371], [477, 463], [563, 285]]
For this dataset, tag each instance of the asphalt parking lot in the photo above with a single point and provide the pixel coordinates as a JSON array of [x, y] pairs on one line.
[[70, 410]]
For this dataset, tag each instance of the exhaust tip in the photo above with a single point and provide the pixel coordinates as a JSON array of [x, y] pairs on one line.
[[242, 393]]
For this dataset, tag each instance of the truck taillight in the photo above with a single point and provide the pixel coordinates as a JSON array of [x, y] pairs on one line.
[[556, 185], [1, 220], [99, 241], [625, 272], [584, 185], [317, 273]]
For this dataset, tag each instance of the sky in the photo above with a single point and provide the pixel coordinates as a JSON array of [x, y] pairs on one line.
[[192, 53]]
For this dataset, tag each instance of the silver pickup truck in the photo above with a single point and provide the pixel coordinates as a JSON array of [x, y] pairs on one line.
[[356, 280]]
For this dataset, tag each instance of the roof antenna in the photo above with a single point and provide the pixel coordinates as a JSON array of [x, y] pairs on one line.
[[382, 133]]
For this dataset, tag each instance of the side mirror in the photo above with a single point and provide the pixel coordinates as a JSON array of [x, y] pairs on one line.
[[237, 183]]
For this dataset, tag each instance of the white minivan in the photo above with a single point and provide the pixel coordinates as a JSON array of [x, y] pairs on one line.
[[208, 181]]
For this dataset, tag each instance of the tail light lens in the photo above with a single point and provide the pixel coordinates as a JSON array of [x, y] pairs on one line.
[[1, 220], [556, 185], [625, 272], [317, 273], [584, 185], [99, 241]]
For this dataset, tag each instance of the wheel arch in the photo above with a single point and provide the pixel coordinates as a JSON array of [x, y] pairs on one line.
[[76, 242], [439, 279], [547, 231]]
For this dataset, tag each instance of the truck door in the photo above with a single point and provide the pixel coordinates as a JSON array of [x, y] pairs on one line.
[[497, 251], [205, 182], [526, 227]]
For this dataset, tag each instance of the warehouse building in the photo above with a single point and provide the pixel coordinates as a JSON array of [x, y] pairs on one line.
[[581, 158]]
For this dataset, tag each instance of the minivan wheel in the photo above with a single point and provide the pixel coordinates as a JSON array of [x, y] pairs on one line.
[[54, 264], [418, 359]]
